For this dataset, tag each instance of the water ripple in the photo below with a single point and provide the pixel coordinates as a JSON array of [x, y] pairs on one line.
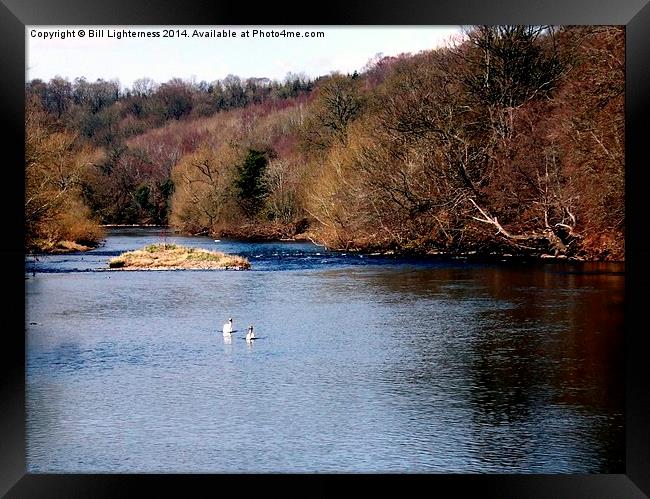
[[405, 367]]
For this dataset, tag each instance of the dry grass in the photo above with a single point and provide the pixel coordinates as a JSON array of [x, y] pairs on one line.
[[174, 257], [56, 246]]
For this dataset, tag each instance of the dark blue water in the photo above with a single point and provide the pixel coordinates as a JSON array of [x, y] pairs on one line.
[[364, 364], [264, 256]]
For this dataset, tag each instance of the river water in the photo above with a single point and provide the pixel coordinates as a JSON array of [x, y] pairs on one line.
[[364, 363]]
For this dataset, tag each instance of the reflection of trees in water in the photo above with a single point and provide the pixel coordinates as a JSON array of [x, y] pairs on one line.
[[534, 353]]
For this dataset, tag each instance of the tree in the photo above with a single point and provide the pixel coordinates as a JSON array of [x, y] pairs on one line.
[[202, 198], [505, 66], [252, 189], [176, 97], [58, 95], [476, 147], [143, 87], [338, 103], [54, 165], [234, 93]]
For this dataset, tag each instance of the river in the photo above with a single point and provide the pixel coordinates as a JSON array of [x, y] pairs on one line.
[[364, 363]]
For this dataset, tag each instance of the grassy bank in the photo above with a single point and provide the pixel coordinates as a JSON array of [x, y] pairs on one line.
[[58, 246], [174, 257]]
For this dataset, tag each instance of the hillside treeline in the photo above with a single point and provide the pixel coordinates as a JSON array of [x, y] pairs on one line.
[[508, 141]]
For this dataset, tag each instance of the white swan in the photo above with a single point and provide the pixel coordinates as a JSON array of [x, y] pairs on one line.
[[227, 328], [250, 335]]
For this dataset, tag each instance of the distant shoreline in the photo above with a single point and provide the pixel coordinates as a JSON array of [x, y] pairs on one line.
[[470, 256]]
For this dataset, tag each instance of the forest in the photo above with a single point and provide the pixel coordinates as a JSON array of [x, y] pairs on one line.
[[509, 141]]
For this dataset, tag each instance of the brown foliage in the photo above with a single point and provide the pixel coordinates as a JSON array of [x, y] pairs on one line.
[[203, 199], [511, 141], [54, 165], [206, 198]]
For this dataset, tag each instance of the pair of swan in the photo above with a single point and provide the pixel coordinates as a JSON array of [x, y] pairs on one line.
[[227, 331]]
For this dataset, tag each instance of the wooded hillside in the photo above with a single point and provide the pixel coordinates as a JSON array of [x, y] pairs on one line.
[[511, 141]]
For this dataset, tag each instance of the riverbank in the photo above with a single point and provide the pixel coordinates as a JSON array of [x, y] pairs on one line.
[[59, 247], [268, 231], [174, 257], [277, 232], [484, 250]]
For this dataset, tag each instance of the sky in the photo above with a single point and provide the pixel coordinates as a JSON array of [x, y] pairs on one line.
[[345, 49]]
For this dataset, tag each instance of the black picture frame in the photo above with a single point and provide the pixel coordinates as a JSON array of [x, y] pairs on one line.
[[16, 14]]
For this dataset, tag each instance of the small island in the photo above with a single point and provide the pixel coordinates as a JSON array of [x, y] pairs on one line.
[[165, 256]]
